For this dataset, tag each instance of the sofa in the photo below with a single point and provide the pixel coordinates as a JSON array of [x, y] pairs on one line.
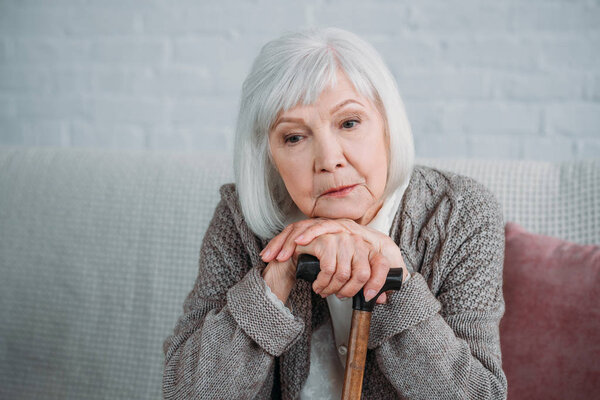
[[99, 248]]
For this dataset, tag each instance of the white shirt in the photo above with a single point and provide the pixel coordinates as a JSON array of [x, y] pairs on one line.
[[329, 342]]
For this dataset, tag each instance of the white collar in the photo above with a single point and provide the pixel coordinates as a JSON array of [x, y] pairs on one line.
[[385, 216]]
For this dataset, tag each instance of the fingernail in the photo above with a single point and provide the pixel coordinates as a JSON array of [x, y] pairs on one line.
[[370, 294], [281, 255], [266, 254], [299, 238]]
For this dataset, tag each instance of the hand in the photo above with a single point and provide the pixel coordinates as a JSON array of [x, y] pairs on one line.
[[281, 277], [370, 271], [382, 243]]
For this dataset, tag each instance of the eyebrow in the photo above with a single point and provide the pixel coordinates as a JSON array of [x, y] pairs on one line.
[[333, 110], [343, 103]]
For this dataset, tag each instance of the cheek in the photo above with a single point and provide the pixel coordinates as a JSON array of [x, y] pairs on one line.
[[297, 177], [377, 176], [374, 161]]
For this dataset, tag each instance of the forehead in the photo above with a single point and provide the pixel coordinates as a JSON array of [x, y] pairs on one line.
[[331, 98]]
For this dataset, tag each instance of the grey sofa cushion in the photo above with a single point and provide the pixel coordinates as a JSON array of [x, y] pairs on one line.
[[98, 250], [97, 253]]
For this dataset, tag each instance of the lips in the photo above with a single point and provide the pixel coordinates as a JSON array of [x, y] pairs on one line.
[[339, 190]]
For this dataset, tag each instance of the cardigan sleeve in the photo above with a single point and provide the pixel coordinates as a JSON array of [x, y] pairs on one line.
[[225, 343], [447, 345]]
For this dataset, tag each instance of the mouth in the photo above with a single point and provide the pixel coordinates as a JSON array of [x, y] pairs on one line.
[[339, 191]]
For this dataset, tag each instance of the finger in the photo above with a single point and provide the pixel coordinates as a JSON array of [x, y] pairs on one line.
[[325, 251], [345, 249], [360, 268], [289, 245], [382, 299], [379, 271], [321, 228], [274, 246]]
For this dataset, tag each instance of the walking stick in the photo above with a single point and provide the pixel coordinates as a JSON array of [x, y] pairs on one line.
[[308, 268]]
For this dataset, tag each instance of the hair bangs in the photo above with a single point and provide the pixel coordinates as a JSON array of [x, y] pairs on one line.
[[302, 82]]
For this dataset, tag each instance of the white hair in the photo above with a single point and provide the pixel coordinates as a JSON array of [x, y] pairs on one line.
[[296, 68]]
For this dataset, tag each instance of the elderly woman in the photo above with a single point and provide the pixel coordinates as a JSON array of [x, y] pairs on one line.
[[324, 165]]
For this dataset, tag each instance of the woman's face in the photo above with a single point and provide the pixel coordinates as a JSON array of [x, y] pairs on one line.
[[332, 155]]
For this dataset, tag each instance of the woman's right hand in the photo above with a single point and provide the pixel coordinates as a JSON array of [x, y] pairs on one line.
[[280, 276]]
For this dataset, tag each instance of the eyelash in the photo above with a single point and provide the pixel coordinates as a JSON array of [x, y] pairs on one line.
[[352, 119]]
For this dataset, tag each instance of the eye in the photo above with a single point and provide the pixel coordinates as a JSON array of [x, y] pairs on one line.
[[349, 124], [292, 138]]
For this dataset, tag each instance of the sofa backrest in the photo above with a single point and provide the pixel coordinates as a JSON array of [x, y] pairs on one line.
[[554, 199], [98, 250]]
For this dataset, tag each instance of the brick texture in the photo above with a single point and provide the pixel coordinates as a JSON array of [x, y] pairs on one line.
[[480, 79]]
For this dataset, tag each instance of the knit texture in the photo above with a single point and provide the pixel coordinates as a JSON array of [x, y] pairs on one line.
[[438, 337]]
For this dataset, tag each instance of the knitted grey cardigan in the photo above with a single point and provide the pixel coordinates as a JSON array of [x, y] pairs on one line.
[[438, 338]]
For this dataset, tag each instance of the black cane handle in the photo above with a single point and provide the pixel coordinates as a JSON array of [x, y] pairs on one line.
[[309, 267]]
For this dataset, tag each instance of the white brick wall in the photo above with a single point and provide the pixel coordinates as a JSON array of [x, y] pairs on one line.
[[480, 79]]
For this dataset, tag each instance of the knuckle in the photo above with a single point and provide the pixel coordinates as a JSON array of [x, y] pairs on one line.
[[327, 269], [379, 276], [377, 283], [356, 238], [380, 262], [342, 275], [289, 228], [362, 275], [346, 242], [385, 265], [286, 240], [319, 284], [290, 239], [329, 240]]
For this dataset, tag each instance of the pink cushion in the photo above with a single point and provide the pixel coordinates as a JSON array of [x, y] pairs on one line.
[[550, 333]]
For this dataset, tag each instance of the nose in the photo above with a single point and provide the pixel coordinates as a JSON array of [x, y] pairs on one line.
[[329, 153]]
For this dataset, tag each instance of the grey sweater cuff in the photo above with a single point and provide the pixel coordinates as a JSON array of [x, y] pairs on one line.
[[412, 304], [259, 317]]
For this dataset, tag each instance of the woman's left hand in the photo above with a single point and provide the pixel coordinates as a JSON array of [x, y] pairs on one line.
[[282, 246]]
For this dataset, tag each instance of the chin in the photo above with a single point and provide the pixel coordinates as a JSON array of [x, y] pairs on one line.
[[353, 213]]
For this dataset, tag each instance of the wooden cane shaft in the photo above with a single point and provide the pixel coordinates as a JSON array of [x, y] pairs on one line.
[[357, 355]]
